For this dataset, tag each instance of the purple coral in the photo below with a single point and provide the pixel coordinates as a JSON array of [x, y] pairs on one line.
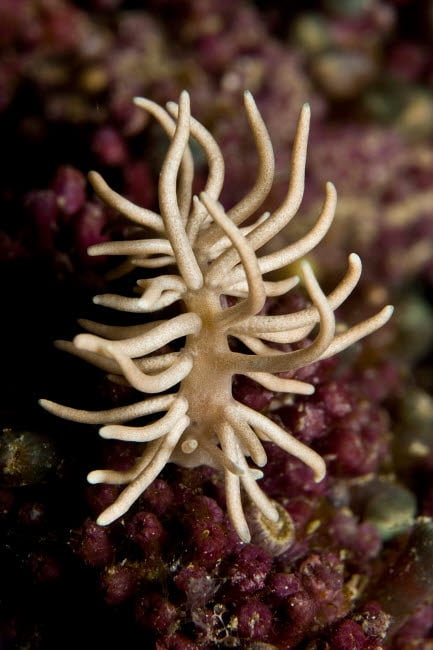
[[65, 72]]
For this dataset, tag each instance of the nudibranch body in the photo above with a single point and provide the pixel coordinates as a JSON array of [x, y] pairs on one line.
[[205, 255]]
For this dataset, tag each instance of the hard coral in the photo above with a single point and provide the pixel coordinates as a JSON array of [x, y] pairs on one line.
[[216, 257]]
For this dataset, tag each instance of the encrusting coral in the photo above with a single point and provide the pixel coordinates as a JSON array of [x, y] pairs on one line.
[[216, 258]]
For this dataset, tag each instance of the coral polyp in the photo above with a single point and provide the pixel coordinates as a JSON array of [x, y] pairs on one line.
[[207, 255]]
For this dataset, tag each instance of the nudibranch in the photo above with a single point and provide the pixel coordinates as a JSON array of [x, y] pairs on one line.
[[205, 255]]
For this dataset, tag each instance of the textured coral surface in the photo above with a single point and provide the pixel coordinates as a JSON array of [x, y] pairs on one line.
[[352, 566]]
